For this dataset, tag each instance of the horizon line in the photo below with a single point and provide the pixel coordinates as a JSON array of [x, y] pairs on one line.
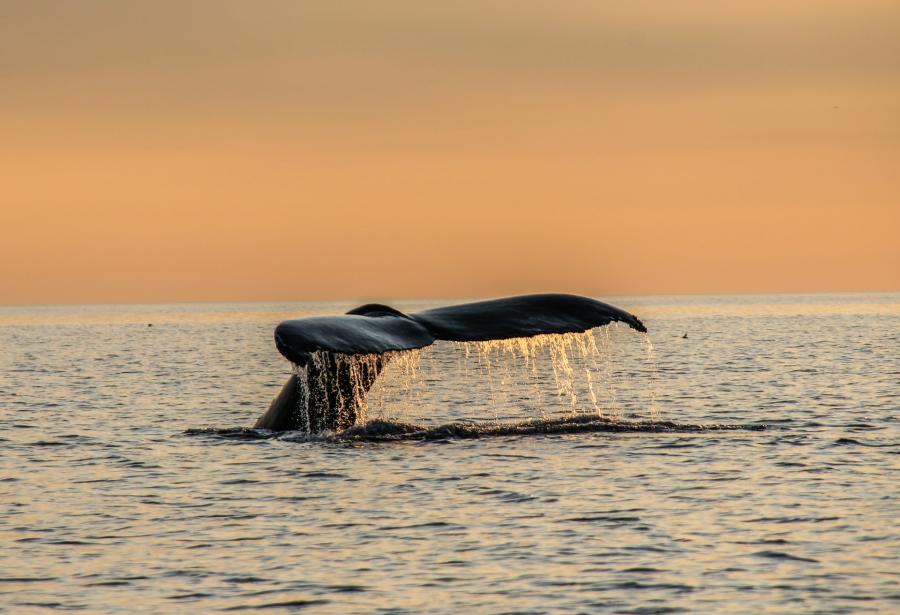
[[446, 298]]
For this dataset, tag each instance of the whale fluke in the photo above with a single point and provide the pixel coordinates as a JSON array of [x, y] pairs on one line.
[[342, 355], [376, 329], [523, 316]]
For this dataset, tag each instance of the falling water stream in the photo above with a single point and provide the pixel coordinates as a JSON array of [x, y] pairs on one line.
[[552, 383]]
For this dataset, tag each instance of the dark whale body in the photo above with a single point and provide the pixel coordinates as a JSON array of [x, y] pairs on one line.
[[341, 356]]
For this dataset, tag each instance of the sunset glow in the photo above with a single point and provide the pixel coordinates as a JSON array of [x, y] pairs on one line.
[[202, 151]]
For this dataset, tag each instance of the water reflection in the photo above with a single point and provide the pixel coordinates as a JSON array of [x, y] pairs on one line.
[[107, 504]]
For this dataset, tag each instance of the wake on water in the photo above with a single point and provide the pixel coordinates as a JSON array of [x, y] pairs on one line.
[[379, 430]]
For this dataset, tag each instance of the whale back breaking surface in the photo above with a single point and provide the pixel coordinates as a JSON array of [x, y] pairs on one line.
[[338, 358]]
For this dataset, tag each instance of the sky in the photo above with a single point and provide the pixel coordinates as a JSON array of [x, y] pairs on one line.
[[210, 150]]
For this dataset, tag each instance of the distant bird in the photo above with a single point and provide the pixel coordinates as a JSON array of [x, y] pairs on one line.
[[684, 337], [149, 324]]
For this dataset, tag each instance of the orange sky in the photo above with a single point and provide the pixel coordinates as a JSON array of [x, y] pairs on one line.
[[209, 150]]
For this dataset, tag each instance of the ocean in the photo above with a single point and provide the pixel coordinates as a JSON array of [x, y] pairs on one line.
[[131, 482]]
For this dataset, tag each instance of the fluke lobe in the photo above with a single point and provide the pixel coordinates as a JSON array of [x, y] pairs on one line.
[[341, 356]]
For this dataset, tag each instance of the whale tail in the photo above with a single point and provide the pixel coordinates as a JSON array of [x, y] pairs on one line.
[[339, 357]]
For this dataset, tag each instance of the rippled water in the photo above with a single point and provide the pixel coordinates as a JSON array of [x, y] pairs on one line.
[[113, 502]]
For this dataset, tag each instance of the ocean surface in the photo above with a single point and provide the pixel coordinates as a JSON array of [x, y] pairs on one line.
[[126, 483]]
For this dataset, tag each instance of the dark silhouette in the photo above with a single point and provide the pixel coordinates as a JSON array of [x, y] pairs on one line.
[[341, 356]]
